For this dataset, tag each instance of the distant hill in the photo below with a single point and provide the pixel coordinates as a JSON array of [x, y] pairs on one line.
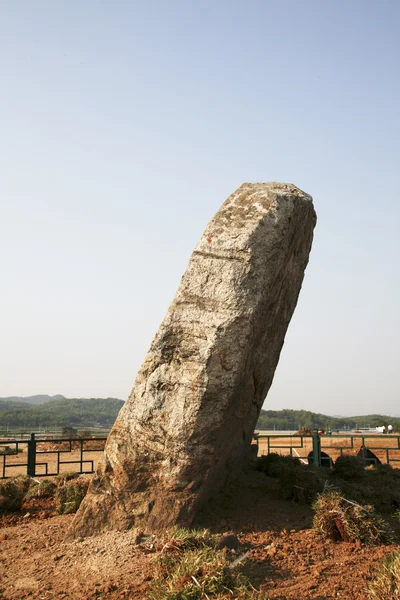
[[85, 413], [39, 399], [64, 412]]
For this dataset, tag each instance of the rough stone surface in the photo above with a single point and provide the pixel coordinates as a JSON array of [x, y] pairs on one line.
[[189, 420]]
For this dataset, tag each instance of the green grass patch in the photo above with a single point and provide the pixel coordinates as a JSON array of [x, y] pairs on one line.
[[386, 582]]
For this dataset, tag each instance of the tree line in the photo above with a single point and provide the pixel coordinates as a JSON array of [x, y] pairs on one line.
[[297, 419], [102, 412], [73, 412]]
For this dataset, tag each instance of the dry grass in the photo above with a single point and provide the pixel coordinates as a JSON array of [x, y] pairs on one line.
[[197, 574], [69, 496], [191, 568], [12, 493], [274, 464], [386, 583], [349, 468], [297, 482], [182, 539], [67, 489], [379, 487], [302, 484], [44, 489], [337, 519], [62, 478]]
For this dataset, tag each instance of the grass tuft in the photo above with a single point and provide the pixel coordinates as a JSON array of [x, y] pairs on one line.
[[349, 468], [302, 484], [275, 464], [386, 582], [44, 489], [195, 573], [12, 493], [338, 519], [188, 539], [62, 478], [69, 496], [191, 568], [378, 487]]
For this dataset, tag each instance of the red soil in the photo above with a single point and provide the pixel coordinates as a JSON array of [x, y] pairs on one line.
[[287, 559]]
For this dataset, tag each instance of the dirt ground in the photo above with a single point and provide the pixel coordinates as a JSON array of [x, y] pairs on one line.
[[287, 559]]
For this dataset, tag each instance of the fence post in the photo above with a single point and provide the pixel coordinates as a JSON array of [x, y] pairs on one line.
[[316, 443], [31, 467]]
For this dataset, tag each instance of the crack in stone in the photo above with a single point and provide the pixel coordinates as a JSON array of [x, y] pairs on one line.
[[218, 256]]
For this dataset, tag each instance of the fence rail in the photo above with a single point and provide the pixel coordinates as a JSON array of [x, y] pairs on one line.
[[78, 449], [332, 445], [35, 464]]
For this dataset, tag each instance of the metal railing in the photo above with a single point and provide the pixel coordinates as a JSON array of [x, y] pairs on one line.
[[317, 443], [36, 466]]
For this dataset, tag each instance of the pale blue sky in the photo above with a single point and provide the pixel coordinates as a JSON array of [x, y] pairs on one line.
[[125, 125]]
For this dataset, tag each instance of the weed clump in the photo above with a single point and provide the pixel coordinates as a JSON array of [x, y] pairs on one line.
[[301, 485], [376, 486], [349, 468], [382, 495], [379, 487], [386, 583], [384, 469], [62, 478], [12, 493], [45, 489], [296, 482], [69, 496], [182, 539], [274, 464], [339, 519], [191, 568], [197, 574]]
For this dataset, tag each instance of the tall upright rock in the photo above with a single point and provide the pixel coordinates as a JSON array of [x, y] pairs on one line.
[[191, 414]]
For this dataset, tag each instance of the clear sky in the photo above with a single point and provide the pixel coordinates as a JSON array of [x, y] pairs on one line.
[[126, 124]]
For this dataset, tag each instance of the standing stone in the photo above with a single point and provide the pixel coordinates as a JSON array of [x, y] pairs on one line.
[[189, 420]]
